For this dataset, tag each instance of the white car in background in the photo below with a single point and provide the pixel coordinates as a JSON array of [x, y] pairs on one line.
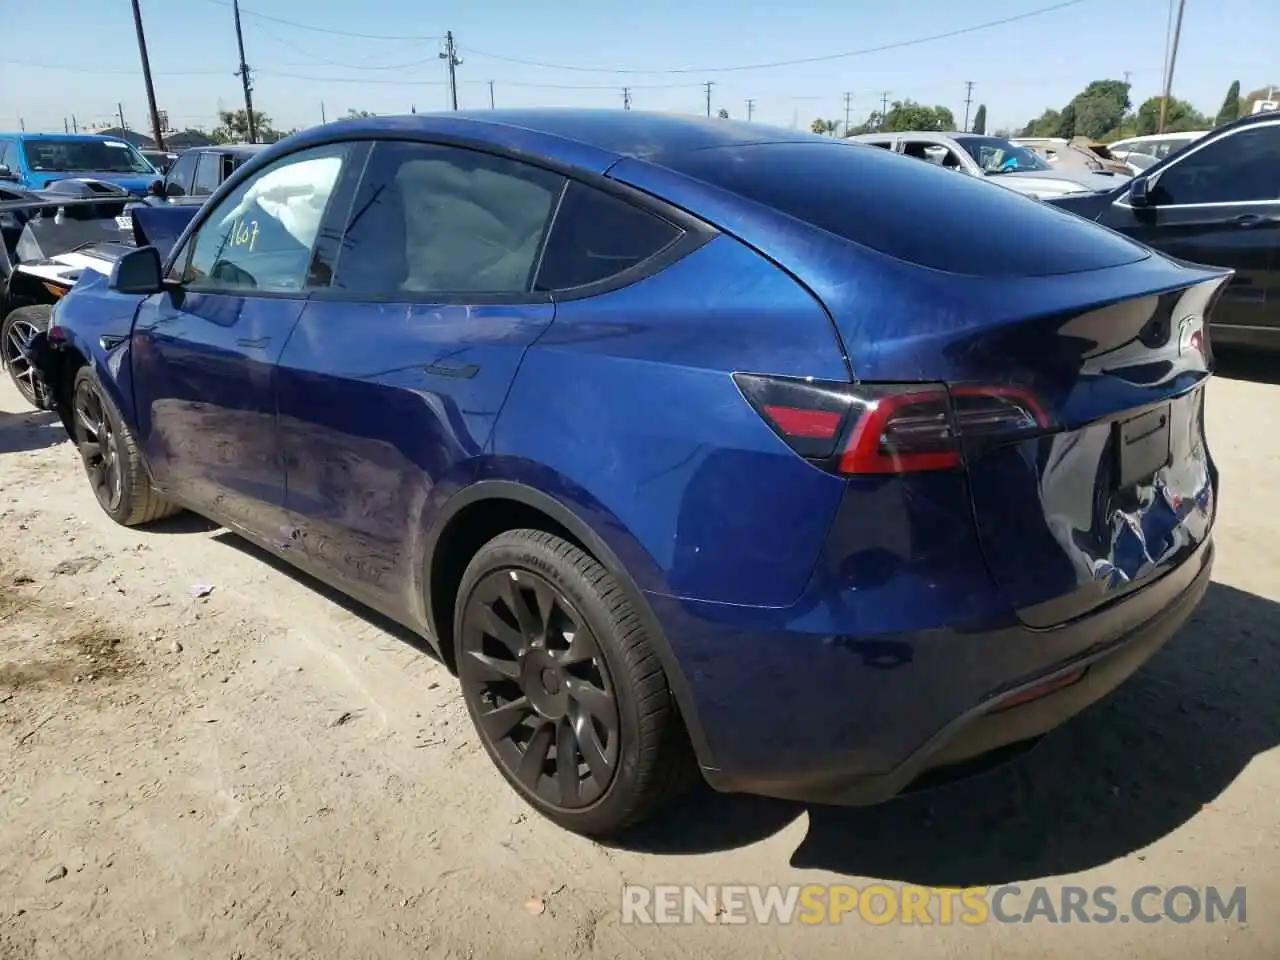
[[1158, 145]]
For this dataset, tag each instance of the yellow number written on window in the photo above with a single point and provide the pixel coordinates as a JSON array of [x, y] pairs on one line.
[[244, 233]]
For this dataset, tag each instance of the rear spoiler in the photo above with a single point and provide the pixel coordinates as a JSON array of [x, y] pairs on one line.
[[19, 206]]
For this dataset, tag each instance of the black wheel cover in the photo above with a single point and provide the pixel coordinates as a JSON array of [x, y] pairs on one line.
[[539, 688], [96, 441]]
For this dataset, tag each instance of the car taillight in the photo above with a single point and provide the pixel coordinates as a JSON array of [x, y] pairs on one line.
[[857, 429]]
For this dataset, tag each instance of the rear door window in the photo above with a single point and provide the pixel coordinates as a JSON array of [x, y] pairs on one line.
[[597, 236], [916, 212], [438, 220]]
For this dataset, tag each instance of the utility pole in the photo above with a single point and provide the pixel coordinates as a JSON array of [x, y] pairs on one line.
[[1127, 75], [22, 125], [156, 133], [75, 127], [751, 109], [450, 55], [626, 98], [884, 108], [1173, 59], [968, 99], [120, 115], [848, 101], [709, 84], [245, 79], [491, 95], [66, 127]]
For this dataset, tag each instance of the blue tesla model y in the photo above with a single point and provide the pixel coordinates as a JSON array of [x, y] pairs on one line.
[[689, 444]]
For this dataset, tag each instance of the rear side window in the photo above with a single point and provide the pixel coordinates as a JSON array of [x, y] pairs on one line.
[[597, 236], [912, 211], [431, 219]]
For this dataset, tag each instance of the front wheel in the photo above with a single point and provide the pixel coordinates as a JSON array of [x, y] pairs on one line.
[[17, 332], [110, 456], [564, 687]]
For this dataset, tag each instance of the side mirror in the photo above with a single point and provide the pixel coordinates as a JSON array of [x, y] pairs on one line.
[[6, 173], [138, 271], [156, 188], [1140, 191]]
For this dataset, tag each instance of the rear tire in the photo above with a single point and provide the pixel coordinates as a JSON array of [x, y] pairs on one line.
[[564, 687], [110, 456], [16, 332]]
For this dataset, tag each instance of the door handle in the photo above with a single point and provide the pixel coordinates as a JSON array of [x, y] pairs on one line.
[[254, 344], [1249, 220]]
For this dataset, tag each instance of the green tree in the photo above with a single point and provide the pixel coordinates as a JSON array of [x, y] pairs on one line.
[[1097, 108], [233, 127], [356, 114], [823, 127], [909, 115], [1180, 116], [1045, 125], [1230, 109], [980, 119]]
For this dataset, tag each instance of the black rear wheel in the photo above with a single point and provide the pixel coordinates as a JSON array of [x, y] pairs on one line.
[[563, 686], [17, 332]]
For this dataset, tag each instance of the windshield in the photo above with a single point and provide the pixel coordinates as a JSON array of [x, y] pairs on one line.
[[85, 156], [1000, 156]]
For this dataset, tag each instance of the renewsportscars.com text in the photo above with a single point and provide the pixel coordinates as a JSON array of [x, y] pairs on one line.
[[880, 904]]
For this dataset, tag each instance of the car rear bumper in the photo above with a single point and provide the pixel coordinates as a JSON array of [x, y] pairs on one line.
[[949, 698]]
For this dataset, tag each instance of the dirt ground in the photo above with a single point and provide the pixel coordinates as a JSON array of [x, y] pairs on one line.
[[267, 771]]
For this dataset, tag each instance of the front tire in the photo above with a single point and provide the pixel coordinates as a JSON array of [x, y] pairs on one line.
[[563, 685], [110, 455], [16, 333]]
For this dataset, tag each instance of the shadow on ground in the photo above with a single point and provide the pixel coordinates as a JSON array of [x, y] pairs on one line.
[[386, 624], [1127, 772], [37, 430], [1234, 363]]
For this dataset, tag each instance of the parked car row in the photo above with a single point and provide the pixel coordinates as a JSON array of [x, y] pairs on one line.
[[36, 161]]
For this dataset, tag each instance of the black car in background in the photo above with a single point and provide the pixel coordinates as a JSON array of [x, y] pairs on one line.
[[1217, 202], [200, 171]]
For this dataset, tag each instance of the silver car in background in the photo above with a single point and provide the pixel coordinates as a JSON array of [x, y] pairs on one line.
[[995, 158]]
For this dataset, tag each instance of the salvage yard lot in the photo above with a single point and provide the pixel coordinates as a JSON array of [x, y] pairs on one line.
[[267, 771]]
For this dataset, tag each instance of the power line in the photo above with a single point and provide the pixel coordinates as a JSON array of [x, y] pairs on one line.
[[304, 26], [897, 45], [422, 61]]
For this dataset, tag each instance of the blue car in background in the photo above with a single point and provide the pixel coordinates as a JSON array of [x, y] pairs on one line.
[[685, 443], [35, 160]]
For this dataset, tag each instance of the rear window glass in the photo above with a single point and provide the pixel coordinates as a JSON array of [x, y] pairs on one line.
[[912, 211]]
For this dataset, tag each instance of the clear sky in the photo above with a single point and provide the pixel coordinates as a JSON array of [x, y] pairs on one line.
[[60, 58]]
